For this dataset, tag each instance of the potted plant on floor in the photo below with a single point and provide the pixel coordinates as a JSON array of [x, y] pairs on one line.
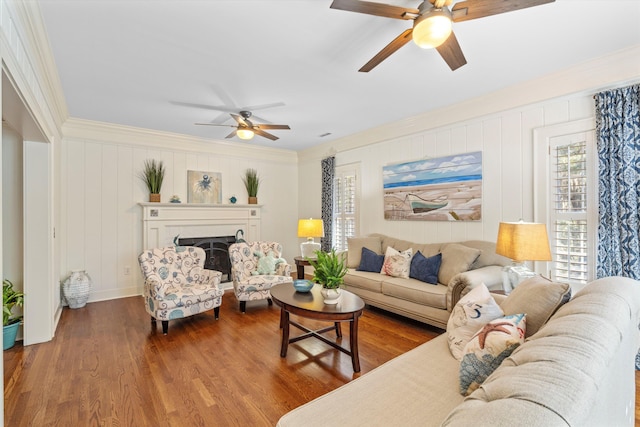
[[10, 324], [251, 182], [329, 269], [153, 175]]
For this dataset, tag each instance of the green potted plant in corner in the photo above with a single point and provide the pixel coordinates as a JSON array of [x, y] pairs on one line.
[[251, 182], [329, 269], [153, 175], [10, 324]]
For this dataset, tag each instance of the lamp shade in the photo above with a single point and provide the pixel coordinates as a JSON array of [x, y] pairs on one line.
[[310, 228], [523, 241]]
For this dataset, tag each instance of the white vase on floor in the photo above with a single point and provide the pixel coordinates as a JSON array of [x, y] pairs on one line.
[[76, 288]]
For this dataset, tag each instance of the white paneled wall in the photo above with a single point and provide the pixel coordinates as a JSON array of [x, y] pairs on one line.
[[101, 191], [506, 142]]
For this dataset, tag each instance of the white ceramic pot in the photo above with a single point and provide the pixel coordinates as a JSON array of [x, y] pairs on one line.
[[76, 288], [331, 296]]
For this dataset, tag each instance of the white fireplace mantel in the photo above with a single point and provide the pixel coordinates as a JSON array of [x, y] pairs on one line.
[[162, 222]]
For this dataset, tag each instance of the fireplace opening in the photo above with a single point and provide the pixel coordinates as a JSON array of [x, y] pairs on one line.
[[216, 252]]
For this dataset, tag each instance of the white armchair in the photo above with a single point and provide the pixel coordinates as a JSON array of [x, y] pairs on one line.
[[176, 285], [249, 286]]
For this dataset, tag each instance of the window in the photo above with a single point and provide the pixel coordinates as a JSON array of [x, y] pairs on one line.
[[346, 189], [571, 230]]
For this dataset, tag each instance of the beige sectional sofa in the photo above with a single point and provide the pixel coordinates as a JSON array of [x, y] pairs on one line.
[[577, 369], [464, 265]]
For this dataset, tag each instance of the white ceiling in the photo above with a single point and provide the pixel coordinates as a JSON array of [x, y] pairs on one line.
[[133, 62]]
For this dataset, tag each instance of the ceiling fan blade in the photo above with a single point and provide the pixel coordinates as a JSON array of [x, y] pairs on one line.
[[241, 120], [205, 106], [257, 131], [474, 9], [265, 126], [452, 53], [396, 44], [377, 9], [263, 106], [214, 124], [232, 134]]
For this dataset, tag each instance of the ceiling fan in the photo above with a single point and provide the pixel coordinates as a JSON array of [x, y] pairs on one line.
[[432, 23], [246, 129]]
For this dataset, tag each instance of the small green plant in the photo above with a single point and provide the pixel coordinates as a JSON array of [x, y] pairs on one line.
[[10, 298], [329, 269], [251, 182], [153, 175]]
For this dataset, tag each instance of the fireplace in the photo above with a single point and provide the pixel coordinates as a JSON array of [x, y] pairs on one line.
[[216, 251]]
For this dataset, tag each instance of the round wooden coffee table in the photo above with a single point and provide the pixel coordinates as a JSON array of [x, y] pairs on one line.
[[311, 306]]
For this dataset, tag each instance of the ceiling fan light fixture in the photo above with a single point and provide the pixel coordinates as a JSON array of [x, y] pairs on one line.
[[245, 133], [432, 28]]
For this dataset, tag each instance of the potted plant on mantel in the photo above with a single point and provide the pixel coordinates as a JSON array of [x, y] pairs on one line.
[[251, 182], [153, 175], [10, 324], [329, 269]]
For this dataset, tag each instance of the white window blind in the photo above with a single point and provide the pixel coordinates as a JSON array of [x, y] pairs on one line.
[[345, 205], [570, 234]]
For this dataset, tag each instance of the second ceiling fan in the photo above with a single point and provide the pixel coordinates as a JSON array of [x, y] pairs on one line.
[[432, 23], [246, 129]]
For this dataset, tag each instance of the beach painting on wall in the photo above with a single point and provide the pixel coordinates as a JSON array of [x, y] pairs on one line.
[[204, 187], [436, 189]]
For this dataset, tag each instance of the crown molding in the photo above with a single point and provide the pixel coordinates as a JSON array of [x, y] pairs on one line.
[[614, 70], [89, 130]]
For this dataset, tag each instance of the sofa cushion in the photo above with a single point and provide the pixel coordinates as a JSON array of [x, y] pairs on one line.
[[472, 312], [456, 259], [415, 291], [488, 348], [396, 264], [539, 298], [364, 280], [355, 245], [425, 269], [370, 261]]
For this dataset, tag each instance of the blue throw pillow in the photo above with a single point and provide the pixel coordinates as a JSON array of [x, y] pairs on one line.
[[370, 261], [425, 269]]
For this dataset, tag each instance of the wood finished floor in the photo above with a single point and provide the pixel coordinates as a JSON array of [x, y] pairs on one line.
[[108, 367]]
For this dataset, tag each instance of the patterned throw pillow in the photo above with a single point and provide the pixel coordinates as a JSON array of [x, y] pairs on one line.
[[488, 348], [425, 269], [396, 264], [471, 313], [370, 261]]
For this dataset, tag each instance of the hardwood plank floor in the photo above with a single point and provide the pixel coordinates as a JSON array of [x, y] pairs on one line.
[[108, 367]]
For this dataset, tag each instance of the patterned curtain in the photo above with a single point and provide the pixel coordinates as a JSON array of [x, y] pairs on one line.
[[328, 174], [618, 139]]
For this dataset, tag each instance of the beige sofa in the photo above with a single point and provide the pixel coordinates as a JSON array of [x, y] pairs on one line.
[[464, 265], [577, 370]]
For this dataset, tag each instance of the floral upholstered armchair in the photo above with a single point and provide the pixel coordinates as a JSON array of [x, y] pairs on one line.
[[176, 285], [248, 285]]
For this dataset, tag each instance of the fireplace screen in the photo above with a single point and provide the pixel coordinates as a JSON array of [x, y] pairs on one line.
[[216, 250]]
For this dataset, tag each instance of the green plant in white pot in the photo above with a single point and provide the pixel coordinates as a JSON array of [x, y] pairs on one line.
[[153, 174], [10, 323], [329, 269], [251, 183]]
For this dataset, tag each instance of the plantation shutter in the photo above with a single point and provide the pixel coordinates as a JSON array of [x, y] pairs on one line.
[[570, 193], [345, 206]]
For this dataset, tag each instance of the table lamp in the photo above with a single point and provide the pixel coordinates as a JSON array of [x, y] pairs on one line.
[[521, 241], [310, 228]]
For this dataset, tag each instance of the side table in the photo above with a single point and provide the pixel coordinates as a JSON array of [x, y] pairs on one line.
[[300, 263]]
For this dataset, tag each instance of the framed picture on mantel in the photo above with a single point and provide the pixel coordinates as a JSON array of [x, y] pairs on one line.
[[204, 187]]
